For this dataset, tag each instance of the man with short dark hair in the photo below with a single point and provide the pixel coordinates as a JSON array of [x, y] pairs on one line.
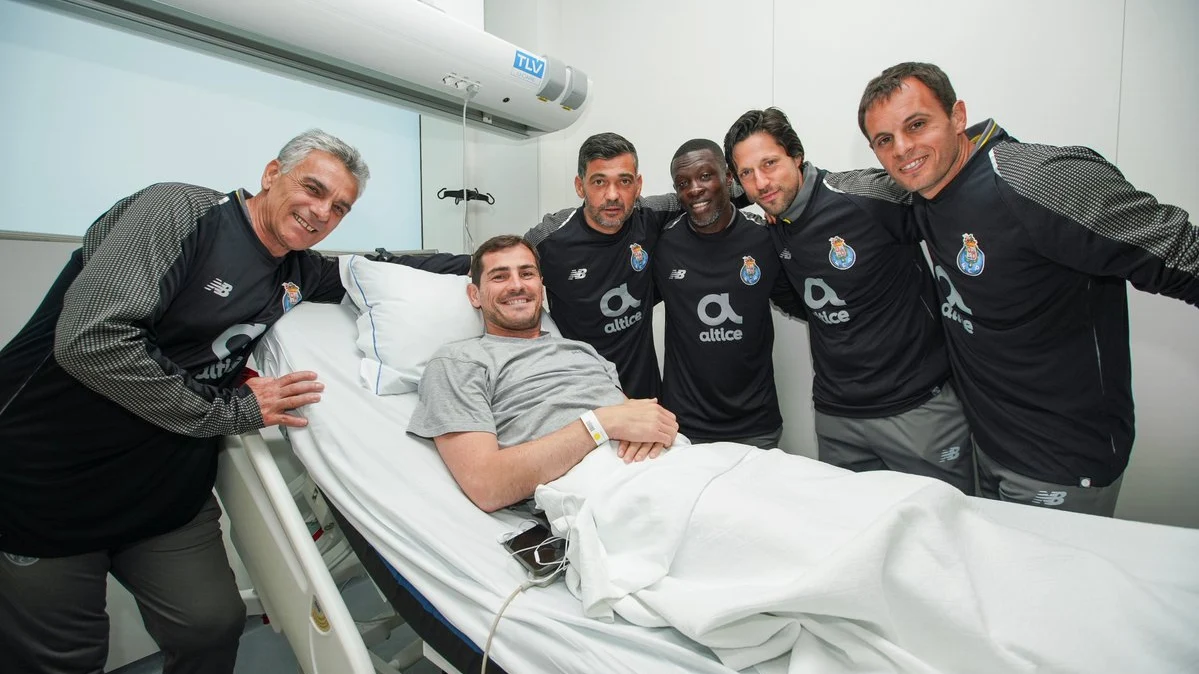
[[488, 401], [1032, 246], [716, 272], [595, 261], [881, 391], [114, 394]]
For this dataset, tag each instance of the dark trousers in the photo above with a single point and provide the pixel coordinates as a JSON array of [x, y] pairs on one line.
[[765, 441], [931, 440], [52, 611], [1001, 484]]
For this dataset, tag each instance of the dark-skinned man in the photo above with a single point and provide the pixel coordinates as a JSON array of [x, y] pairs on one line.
[[717, 272]]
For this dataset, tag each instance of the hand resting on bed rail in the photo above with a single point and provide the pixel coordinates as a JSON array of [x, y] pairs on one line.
[[277, 395]]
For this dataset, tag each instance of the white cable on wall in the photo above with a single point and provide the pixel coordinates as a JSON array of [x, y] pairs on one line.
[[468, 244]]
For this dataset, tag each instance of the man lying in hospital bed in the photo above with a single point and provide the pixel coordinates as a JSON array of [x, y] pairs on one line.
[[765, 557]]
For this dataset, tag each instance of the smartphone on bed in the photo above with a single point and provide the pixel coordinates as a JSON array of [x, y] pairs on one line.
[[537, 550]]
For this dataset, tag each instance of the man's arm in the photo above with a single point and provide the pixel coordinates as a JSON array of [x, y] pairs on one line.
[[669, 206], [437, 263], [550, 223], [784, 296], [323, 275], [494, 478], [662, 208], [1083, 214], [133, 267], [455, 410], [879, 199]]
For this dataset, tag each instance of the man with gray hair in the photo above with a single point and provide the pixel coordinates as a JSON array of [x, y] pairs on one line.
[[113, 396]]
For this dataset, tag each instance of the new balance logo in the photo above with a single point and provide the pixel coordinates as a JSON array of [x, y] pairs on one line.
[[786, 254], [576, 274], [1050, 498], [219, 287], [950, 454], [676, 274]]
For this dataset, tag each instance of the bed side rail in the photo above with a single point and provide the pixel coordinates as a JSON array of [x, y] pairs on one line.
[[284, 564]]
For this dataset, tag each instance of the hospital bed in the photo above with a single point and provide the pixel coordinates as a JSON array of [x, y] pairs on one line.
[[356, 450], [436, 547]]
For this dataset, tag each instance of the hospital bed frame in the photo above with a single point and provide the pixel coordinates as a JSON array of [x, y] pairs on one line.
[[444, 645], [295, 586]]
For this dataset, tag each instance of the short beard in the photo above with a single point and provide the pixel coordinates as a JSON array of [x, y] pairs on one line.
[[597, 216], [711, 220], [512, 324]]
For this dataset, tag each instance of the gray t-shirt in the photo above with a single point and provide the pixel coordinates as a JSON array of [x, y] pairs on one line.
[[520, 389]]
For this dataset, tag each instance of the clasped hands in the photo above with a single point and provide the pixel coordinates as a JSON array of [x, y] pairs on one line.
[[642, 427]]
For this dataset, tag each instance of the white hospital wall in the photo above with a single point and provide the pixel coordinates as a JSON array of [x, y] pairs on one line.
[[505, 168], [27, 268], [1157, 149], [1084, 72], [127, 109]]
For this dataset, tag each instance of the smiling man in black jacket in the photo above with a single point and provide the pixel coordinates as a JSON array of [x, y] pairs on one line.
[[717, 273], [881, 390], [1032, 246], [114, 395]]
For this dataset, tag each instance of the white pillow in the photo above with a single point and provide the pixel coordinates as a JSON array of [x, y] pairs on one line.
[[404, 316]]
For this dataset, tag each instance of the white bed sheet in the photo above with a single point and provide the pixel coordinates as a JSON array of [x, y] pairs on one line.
[[398, 494], [760, 553]]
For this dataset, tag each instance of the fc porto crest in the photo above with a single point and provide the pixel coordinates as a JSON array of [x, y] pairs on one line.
[[291, 296], [639, 258], [751, 273], [841, 255], [971, 258]]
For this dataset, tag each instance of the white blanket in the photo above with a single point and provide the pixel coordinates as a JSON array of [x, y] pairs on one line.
[[762, 555]]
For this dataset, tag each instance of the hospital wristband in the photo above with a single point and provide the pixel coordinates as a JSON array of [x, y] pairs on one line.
[[594, 428]]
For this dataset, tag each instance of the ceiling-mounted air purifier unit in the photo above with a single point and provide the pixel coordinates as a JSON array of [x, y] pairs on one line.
[[403, 49]]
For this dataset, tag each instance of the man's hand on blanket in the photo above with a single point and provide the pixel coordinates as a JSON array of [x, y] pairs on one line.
[[642, 427], [639, 451], [277, 395]]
